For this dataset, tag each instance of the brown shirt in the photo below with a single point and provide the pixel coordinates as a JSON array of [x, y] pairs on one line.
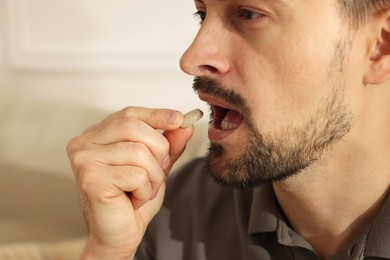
[[201, 220]]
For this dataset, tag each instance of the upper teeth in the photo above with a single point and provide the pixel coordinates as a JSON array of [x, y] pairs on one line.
[[226, 125]]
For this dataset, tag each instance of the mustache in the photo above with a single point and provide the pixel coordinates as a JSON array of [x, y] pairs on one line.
[[214, 88]]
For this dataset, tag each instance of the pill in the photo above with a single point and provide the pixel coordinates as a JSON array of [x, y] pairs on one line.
[[191, 118]]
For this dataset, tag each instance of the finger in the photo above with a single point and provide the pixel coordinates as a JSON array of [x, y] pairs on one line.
[[163, 119], [178, 140], [111, 182], [130, 154], [131, 130], [91, 128]]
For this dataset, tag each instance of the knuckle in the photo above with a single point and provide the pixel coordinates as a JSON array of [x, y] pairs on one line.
[[127, 112], [72, 145], [164, 147], [158, 181], [78, 158], [143, 185], [139, 150], [142, 177], [86, 177], [156, 113], [128, 124]]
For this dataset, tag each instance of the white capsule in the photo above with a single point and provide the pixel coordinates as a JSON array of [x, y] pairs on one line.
[[191, 118]]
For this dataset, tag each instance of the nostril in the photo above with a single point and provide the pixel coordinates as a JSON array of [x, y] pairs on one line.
[[208, 68]]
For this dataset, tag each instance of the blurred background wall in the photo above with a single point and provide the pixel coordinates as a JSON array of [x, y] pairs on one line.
[[107, 54], [64, 65]]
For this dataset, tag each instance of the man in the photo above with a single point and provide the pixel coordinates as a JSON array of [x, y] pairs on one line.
[[299, 143]]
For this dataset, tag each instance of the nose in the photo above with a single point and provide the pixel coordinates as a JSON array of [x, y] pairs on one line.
[[207, 55]]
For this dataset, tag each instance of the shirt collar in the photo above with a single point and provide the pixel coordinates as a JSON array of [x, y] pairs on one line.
[[265, 211], [378, 237], [265, 215]]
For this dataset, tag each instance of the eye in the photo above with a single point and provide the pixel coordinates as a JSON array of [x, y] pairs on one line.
[[249, 15], [201, 15]]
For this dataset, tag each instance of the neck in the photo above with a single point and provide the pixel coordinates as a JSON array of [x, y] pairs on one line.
[[335, 200], [332, 203]]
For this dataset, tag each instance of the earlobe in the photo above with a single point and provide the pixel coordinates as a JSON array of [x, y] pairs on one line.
[[379, 67], [379, 73]]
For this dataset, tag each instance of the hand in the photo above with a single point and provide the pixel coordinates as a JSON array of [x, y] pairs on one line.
[[121, 165]]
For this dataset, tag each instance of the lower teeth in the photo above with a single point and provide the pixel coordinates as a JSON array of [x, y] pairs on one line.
[[225, 125]]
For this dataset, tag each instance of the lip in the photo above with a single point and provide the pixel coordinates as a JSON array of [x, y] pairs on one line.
[[217, 135], [214, 101]]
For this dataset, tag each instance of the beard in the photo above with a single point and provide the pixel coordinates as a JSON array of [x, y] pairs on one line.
[[268, 159]]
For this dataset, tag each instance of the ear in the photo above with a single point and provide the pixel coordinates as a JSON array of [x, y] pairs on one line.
[[379, 68]]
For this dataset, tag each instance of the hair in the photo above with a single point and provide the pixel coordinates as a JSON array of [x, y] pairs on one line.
[[359, 12]]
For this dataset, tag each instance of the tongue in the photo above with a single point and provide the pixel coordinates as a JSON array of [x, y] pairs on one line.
[[233, 116], [231, 120]]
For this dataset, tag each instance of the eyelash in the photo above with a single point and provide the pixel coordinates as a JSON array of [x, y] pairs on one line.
[[244, 14], [249, 15], [201, 15]]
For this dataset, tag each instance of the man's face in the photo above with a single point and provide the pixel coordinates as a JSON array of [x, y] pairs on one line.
[[275, 74]]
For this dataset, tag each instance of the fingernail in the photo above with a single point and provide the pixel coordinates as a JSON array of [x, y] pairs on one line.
[[166, 162]]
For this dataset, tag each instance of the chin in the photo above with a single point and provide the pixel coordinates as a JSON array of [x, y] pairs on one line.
[[246, 168], [226, 168]]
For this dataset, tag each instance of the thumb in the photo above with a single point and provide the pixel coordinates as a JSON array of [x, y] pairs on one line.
[[178, 140]]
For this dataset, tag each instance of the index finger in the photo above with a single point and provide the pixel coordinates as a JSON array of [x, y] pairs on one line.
[[158, 118]]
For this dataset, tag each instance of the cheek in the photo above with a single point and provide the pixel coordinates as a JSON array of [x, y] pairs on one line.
[[355, 70], [284, 85], [284, 73]]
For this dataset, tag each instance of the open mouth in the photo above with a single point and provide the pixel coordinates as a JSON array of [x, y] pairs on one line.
[[225, 118]]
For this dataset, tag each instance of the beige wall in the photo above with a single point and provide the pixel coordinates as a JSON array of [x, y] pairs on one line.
[[108, 54]]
